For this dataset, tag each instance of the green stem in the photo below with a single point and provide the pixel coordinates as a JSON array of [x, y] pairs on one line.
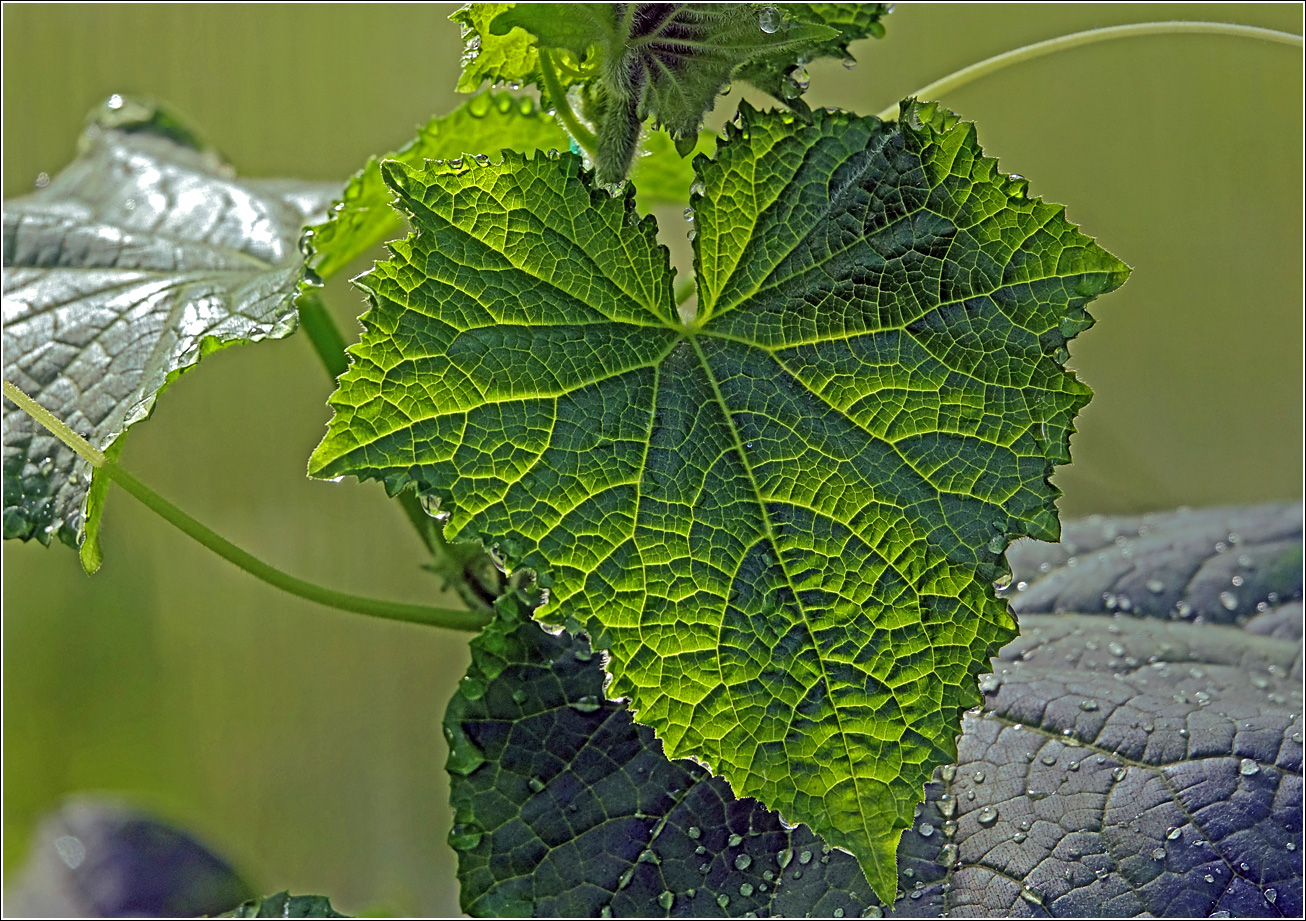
[[584, 138], [57, 426], [685, 289], [323, 334], [1092, 36], [390, 610]]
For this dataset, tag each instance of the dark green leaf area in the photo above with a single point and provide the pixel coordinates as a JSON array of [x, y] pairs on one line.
[[564, 806], [782, 516], [121, 272], [285, 905]]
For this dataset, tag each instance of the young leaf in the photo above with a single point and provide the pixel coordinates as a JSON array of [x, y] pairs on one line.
[[564, 806], [784, 517], [507, 57], [661, 61], [144, 254], [483, 125]]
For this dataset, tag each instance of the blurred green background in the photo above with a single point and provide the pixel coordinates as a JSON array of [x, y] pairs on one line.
[[303, 743]]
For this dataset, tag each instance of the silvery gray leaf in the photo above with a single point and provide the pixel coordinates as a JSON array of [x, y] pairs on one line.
[[120, 273]]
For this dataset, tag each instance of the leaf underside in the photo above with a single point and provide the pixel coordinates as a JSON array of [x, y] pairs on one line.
[[1144, 763], [784, 517], [144, 254]]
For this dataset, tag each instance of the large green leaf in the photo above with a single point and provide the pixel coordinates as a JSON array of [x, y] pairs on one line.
[[782, 518], [144, 254]]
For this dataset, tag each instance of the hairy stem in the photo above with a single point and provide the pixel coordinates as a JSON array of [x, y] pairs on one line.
[[584, 138], [390, 610], [1066, 42]]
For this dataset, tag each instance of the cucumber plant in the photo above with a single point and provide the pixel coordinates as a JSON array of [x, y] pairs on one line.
[[730, 536]]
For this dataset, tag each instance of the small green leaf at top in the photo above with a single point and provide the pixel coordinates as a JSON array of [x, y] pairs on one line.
[[285, 905], [120, 273], [782, 517], [482, 126]]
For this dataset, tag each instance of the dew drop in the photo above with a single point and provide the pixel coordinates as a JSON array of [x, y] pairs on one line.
[[1209, 878], [949, 772], [1033, 896], [624, 880], [42, 180], [535, 784], [666, 900], [987, 816], [1118, 774], [979, 777], [1158, 853], [587, 704], [805, 857], [1088, 706], [689, 214], [768, 20], [1247, 767], [694, 832], [464, 836], [1173, 834], [926, 829], [581, 654], [1271, 895], [746, 890], [743, 862], [735, 841], [1228, 601], [989, 683], [723, 900], [784, 857], [519, 696], [1155, 586]]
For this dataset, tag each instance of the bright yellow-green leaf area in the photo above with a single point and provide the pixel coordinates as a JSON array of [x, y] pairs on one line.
[[783, 517]]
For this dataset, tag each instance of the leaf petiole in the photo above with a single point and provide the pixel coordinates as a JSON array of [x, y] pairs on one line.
[[1065, 42], [390, 610], [584, 138]]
